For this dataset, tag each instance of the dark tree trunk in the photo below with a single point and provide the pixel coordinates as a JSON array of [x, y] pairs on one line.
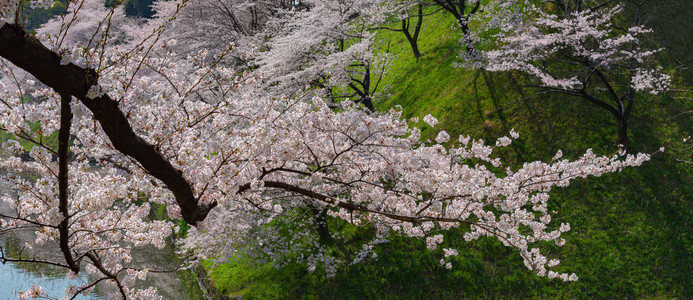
[[27, 53], [368, 103], [457, 8], [413, 38], [623, 132], [63, 186], [363, 90], [469, 44], [412, 41], [320, 221]]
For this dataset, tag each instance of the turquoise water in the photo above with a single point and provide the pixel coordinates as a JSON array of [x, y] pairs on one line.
[[15, 277]]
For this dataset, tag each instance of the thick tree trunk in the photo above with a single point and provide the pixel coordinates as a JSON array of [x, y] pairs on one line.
[[27, 53], [63, 186]]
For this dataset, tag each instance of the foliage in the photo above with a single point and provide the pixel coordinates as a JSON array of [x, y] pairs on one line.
[[34, 18], [631, 230], [260, 173]]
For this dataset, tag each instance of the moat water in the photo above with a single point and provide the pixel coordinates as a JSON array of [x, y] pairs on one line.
[[15, 277]]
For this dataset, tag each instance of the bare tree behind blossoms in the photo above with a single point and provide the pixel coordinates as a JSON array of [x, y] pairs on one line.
[[180, 131], [215, 23], [321, 46], [579, 48]]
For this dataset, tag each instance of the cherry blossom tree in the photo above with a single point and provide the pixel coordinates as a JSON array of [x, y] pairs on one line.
[[334, 57], [215, 23], [463, 11], [189, 132], [327, 46], [575, 47], [406, 12]]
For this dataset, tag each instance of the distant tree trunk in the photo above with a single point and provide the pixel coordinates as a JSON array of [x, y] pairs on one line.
[[457, 8], [623, 132], [469, 44], [626, 108], [254, 23], [363, 90], [320, 221], [413, 38]]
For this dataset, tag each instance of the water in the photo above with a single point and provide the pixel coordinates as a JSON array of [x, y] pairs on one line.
[[15, 277]]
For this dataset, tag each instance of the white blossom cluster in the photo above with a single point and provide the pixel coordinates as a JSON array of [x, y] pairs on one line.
[[7, 10], [649, 80], [261, 157], [523, 35], [328, 45], [368, 249]]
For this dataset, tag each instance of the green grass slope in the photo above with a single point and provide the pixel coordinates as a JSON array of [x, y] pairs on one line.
[[632, 232]]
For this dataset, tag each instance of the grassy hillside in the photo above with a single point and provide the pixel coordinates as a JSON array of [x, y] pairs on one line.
[[632, 232]]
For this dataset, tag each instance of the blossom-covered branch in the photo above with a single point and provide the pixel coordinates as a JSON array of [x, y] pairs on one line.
[[222, 149], [574, 48]]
